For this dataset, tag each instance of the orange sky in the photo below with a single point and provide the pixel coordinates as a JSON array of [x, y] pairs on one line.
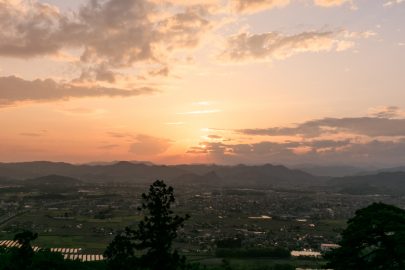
[[231, 81]]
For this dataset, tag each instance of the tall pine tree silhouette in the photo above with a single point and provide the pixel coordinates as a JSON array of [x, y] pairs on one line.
[[153, 238]]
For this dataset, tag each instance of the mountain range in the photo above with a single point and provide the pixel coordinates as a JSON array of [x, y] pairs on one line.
[[124, 171], [267, 175]]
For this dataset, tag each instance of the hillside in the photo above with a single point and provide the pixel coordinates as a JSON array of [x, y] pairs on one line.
[[332, 171], [392, 183]]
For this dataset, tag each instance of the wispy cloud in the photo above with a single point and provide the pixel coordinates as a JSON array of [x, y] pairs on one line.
[[34, 134], [332, 3], [368, 126], [393, 2], [250, 6], [31, 134], [386, 112], [116, 134], [273, 45], [215, 137], [202, 103]]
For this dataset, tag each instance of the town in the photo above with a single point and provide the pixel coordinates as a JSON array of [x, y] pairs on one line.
[[85, 217]]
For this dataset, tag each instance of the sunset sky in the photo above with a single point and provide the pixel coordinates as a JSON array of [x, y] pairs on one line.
[[203, 81]]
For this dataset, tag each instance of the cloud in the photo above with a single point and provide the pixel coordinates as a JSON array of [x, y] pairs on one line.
[[386, 112], [221, 149], [376, 139], [15, 90], [215, 137], [273, 45], [114, 30], [119, 33], [331, 3], [202, 103], [250, 6], [261, 152], [184, 29], [368, 126], [109, 34], [321, 152], [164, 71], [147, 145], [100, 73], [322, 144], [104, 39], [393, 2], [197, 150], [188, 3], [28, 29]]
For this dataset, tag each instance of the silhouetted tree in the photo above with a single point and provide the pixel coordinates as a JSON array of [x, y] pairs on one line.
[[154, 236], [22, 257], [47, 260], [24, 239], [120, 252], [374, 239]]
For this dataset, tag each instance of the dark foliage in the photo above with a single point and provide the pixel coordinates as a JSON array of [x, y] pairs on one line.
[[227, 265], [121, 252], [229, 243], [24, 258], [154, 236], [374, 239]]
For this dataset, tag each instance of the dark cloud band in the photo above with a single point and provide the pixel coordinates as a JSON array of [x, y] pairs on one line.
[[15, 90]]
